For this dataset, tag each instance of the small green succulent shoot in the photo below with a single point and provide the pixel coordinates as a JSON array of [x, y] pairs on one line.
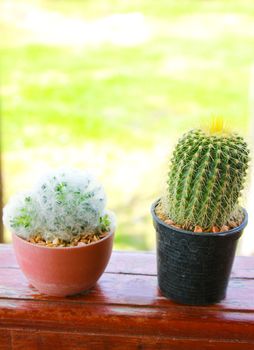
[[62, 204], [21, 215], [206, 176], [105, 223]]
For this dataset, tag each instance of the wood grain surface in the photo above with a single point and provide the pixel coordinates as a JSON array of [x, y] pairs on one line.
[[125, 310]]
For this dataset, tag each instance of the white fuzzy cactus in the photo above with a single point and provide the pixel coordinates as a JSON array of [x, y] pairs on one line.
[[62, 204]]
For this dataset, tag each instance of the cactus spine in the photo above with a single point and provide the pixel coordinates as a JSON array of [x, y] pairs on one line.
[[206, 177]]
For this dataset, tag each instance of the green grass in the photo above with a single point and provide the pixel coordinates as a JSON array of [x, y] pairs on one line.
[[132, 98]]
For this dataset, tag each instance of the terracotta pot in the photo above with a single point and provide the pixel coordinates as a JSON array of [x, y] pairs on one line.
[[65, 270]]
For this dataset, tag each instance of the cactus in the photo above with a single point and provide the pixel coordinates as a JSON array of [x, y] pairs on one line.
[[206, 176], [62, 204]]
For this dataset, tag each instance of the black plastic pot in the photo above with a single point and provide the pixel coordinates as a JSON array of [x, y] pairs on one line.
[[194, 268]]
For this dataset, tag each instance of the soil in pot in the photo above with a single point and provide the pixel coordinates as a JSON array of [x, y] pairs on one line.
[[79, 240]]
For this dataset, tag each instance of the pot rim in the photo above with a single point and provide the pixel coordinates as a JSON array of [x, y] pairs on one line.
[[214, 234], [110, 233]]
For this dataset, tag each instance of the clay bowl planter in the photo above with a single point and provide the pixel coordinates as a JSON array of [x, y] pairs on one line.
[[63, 271], [194, 267]]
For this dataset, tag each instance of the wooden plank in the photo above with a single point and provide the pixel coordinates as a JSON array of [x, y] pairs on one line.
[[123, 289], [243, 267], [125, 310], [5, 339], [138, 263], [41, 340], [195, 323], [120, 262], [7, 257]]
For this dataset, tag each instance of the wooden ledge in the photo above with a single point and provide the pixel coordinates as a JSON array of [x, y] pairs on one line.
[[124, 311]]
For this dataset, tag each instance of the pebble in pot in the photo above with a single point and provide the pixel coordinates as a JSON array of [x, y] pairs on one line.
[[62, 233]]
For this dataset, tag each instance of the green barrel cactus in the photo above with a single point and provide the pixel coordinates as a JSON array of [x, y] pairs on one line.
[[207, 174]]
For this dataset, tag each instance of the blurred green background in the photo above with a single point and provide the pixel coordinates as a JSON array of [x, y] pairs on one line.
[[111, 85]]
